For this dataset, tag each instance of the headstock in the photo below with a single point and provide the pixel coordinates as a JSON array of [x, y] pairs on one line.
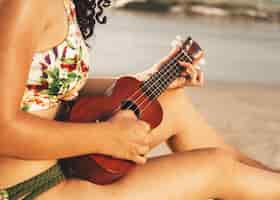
[[191, 48]]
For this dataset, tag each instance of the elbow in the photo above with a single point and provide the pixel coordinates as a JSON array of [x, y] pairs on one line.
[[9, 136], [6, 138]]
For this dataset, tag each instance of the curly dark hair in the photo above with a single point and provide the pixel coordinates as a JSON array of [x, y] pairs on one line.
[[88, 13]]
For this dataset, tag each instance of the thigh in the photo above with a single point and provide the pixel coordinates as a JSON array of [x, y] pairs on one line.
[[190, 175], [190, 128]]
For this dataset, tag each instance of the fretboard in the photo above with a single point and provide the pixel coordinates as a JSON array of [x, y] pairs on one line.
[[160, 81]]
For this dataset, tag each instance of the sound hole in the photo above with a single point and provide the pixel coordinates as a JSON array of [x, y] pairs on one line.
[[130, 105]]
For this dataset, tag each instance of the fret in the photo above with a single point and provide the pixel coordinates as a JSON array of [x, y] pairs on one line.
[[161, 80]]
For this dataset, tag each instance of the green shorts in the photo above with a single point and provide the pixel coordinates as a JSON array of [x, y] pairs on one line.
[[35, 186]]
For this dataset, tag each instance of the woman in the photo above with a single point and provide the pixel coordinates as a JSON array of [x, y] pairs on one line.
[[43, 45]]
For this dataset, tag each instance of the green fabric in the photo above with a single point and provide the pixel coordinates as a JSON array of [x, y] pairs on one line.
[[35, 186], [4, 195]]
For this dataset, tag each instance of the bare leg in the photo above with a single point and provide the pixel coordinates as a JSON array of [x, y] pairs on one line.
[[193, 132], [202, 174], [194, 175]]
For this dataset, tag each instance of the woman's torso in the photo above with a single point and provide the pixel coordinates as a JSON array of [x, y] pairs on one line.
[[54, 64]]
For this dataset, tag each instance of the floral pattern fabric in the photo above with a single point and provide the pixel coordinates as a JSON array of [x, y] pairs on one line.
[[60, 72]]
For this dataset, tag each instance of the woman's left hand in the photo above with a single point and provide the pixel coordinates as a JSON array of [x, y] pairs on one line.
[[192, 76]]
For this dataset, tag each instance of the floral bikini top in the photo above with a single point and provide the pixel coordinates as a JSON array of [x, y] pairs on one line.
[[60, 72]]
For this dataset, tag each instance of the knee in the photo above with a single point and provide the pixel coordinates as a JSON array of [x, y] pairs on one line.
[[176, 101], [173, 102]]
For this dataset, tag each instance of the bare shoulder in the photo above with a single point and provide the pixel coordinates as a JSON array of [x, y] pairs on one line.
[[17, 16]]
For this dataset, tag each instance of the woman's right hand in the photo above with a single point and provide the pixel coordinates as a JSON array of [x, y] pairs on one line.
[[128, 137]]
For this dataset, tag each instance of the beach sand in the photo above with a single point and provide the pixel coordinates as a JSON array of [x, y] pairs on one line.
[[246, 114]]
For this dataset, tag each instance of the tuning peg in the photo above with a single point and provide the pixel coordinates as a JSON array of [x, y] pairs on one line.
[[189, 39], [174, 43], [202, 62], [178, 42], [179, 38]]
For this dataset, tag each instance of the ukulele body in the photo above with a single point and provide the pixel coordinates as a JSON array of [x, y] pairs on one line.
[[102, 169]]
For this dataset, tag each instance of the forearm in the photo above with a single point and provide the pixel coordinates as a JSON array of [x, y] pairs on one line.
[[31, 137]]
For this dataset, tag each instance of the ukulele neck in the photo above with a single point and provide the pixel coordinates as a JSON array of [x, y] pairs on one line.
[[161, 80]]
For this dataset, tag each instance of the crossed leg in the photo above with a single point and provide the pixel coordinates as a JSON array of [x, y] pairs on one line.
[[193, 175], [198, 170]]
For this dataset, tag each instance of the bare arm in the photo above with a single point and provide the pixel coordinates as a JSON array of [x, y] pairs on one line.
[[29, 137], [23, 135]]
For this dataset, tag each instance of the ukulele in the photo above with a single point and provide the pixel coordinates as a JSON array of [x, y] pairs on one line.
[[127, 93]]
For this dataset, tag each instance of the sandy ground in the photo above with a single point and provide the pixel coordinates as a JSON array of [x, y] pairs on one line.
[[247, 115]]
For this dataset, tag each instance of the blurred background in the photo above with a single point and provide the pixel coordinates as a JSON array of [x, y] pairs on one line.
[[241, 39]]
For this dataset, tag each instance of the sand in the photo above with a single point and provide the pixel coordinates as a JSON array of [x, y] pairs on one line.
[[246, 114]]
